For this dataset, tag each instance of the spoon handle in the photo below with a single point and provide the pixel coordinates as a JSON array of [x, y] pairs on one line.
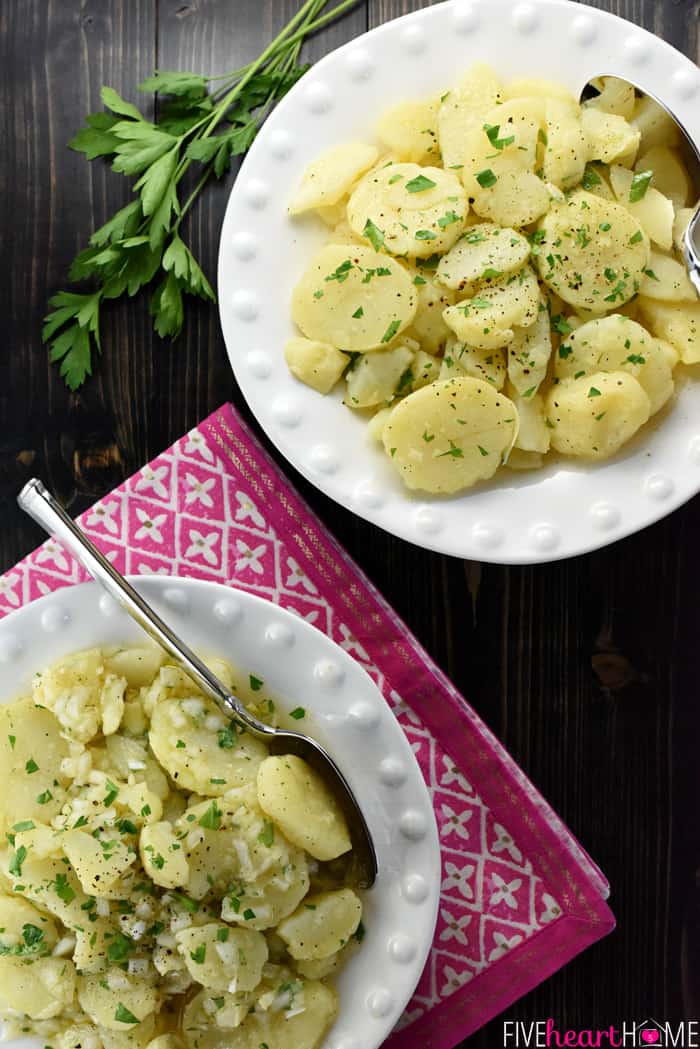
[[38, 502]]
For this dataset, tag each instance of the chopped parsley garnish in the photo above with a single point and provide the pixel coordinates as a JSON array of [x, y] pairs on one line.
[[112, 793], [610, 274], [267, 834], [417, 280], [190, 905], [298, 713], [405, 381], [472, 237], [248, 914], [559, 324], [428, 437], [424, 234], [359, 312], [211, 820], [636, 237], [227, 737], [590, 178], [599, 417], [124, 1015], [119, 948], [13, 740], [395, 178], [127, 827], [639, 185], [62, 889], [158, 861], [486, 178], [420, 184], [491, 274], [222, 935], [340, 273], [17, 860], [448, 218], [199, 954], [492, 135], [650, 274], [604, 227], [31, 766], [318, 294], [146, 810], [24, 825], [373, 234], [44, 798], [542, 137], [180, 745], [594, 392], [529, 393], [618, 290], [482, 450], [454, 450], [636, 358], [256, 683], [391, 331], [565, 351], [80, 822]]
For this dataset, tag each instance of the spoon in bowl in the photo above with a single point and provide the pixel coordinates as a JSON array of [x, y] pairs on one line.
[[691, 156], [38, 502]]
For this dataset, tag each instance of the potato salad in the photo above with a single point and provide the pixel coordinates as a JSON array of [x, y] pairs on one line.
[[165, 882], [503, 277]]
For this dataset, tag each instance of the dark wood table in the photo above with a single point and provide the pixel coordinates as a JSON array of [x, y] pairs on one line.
[[586, 669]]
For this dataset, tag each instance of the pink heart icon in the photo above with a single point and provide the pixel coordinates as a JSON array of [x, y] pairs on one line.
[[650, 1037]]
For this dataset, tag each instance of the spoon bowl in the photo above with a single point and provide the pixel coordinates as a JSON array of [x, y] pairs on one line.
[[691, 156], [38, 502]]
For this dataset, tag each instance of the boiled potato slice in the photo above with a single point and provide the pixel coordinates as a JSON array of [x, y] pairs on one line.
[[375, 427], [186, 737], [50, 884], [98, 862], [39, 838], [566, 145], [332, 175], [517, 198], [594, 416], [533, 432], [318, 364], [117, 1000], [654, 211], [428, 327], [354, 299], [520, 460], [412, 210], [166, 1041], [593, 252], [655, 125], [162, 855], [612, 344], [667, 280], [223, 959], [31, 752], [450, 434], [130, 759], [486, 319], [536, 87], [609, 137], [461, 359], [295, 797], [83, 697], [670, 175], [79, 1036], [410, 130], [484, 252], [322, 924], [137, 664], [463, 106], [24, 928], [680, 225], [92, 942], [616, 96], [41, 990], [529, 351], [138, 1036], [376, 377], [677, 324]]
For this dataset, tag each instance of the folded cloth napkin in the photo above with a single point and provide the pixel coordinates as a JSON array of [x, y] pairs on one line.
[[519, 896]]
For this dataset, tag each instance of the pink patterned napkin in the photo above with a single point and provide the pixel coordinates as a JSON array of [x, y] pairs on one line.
[[519, 896]]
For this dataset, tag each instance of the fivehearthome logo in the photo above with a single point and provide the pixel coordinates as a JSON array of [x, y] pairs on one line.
[[630, 1034]]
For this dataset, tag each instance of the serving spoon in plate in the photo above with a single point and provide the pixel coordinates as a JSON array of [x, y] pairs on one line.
[[38, 502], [691, 239]]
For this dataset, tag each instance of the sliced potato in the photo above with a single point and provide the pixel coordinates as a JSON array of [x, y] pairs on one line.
[[594, 416], [670, 175], [428, 327], [655, 125], [520, 460], [410, 130], [654, 211], [295, 797], [486, 319], [41, 990], [450, 434], [98, 862], [162, 855], [680, 224], [31, 752], [376, 378], [322, 925], [479, 90], [223, 959], [115, 1001], [460, 359], [533, 431], [484, 252], [610, 137], [318, 364], [332, 175], [537, 87], [612, 344], [566, 146], [19, 921], [677, 324], [667, 280], [529, 351], [593, 252], [616, 96], [413, 210], [138, 664], [375, 427], [353, 298]]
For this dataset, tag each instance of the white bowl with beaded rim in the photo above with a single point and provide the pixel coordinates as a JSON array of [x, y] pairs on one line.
[[345, 711], [559, 511]]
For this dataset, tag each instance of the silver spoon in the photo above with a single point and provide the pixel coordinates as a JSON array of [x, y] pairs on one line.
[[47, 511], [691, 241]]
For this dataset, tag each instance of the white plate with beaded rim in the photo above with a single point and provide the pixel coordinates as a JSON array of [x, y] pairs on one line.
[[559, 511], [345, 711]]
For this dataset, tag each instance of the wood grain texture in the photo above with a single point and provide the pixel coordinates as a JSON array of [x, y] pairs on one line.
[[586, 669]]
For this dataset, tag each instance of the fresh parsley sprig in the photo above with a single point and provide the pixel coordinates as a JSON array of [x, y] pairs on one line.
[[201, 120]]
